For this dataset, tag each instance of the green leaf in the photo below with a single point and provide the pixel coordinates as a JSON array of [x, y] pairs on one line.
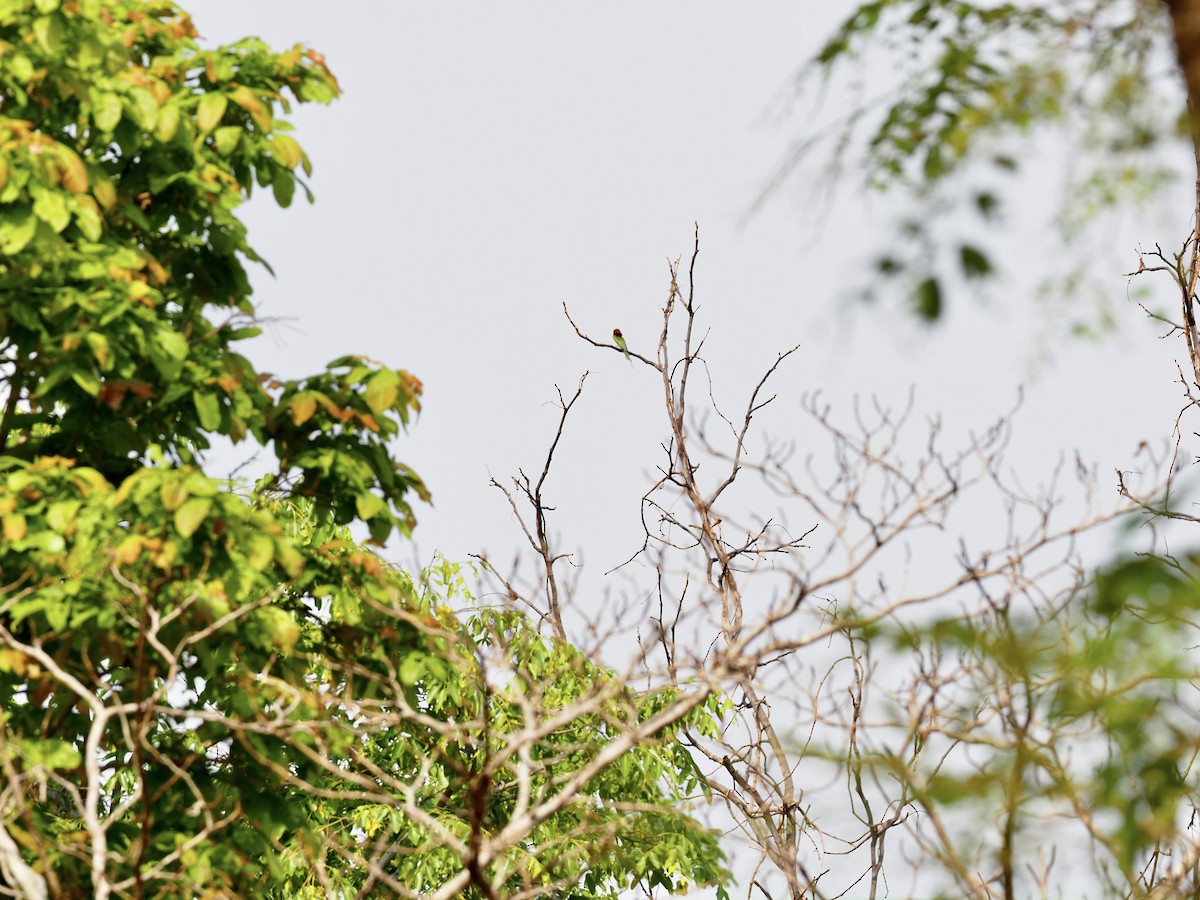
[[107, 110], [21, 67], [412, 668], [286, 150], [260, 551], [382, 390], [61, 515], [51, 208], [144, 108], [18, 225], [52, 753], [88, 221], [975, 263], [174, 494], [174, 343], [191, 515], [927, 300], [168, 123], [99, 347], [369, 505], [226, 139], [86, 380], [49, 33], [283, 186], [208, 409], [211, 109]]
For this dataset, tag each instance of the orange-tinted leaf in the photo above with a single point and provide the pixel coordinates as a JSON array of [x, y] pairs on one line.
[[129, 549], [74, 177], [340, 413], [14, 527], [303, 405], [105, 193], [13, 661], [259, 111]]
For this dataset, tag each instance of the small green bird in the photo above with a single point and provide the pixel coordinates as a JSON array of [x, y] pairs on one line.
[[619, 340]]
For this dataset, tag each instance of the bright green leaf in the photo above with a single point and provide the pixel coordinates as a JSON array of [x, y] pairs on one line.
[[51, 208], [369, 505], [211, 109], [226, 139], [191, 515], [49, 32], [86, 380], [208, 408], [18, 225], [106, 111], [382, 389], [99, 347]]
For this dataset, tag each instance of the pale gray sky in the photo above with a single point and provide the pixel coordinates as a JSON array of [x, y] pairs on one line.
[[489, 161]]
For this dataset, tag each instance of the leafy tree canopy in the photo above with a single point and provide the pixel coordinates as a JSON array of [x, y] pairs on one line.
[[214, 690]]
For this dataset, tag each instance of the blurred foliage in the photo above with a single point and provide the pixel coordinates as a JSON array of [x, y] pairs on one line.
[[973, 90], [1087, 712]]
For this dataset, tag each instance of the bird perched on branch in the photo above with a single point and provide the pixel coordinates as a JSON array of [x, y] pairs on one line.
[[619, 340]]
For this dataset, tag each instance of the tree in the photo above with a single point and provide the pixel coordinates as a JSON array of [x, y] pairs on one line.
[[214, 689], [909, 701], [1029, 722]]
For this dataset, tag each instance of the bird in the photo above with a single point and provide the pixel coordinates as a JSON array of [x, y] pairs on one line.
[[619, 340]]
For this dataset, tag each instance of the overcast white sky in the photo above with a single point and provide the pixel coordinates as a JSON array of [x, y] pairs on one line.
[[489, 161]]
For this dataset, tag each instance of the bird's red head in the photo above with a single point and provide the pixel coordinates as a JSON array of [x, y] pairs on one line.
[[617, 332]]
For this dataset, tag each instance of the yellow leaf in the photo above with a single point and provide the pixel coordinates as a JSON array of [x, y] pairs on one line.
[[284, 149], [129, 549], [166, 556], [105, 193], [46, 463], [174, 494], [303, 406], [99, 347], [13, 661], [14, 527], [259, 111], [75, 176], [212, 107]]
